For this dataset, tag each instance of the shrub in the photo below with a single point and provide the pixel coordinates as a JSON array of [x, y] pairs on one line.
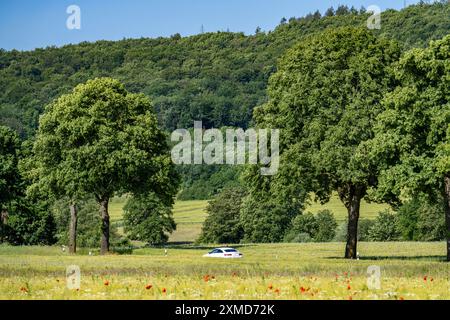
[[363, 231], [385, 227], [222, 224], [30, 223], [148, 219], [326, 226], [264, 221], [421, 219], [309, 227]]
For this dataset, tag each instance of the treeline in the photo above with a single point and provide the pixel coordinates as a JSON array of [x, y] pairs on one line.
[[214, 77], [360, 118], [417, 219]]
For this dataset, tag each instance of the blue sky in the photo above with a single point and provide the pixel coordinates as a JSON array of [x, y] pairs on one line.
[[29, 24]]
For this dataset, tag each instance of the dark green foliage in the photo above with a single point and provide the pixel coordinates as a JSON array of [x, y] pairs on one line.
[[222, 225], [385, 227], [309, 227], [30, 222], [204, 182], [148, 219], [421, 219], [302, 224], [326, 226], [9, 172], [264, 221], [214, 77], [363, 229], [88, 226]]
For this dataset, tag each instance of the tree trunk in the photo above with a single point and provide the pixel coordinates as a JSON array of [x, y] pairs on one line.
[[351, 198], [73, 228], [3, 222], [104, 249], [447, 213]]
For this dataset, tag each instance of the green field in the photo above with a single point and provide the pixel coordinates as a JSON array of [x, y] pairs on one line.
[[269, 271]]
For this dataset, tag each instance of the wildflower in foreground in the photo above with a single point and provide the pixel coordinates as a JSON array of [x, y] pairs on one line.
[[270, 287], [106, 283], [148, 287], [164, 290]]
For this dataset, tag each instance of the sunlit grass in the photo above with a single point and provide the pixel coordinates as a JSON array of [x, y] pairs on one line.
[[409, 271]]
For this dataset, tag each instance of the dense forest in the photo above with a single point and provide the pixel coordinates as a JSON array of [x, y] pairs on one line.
[[215, 77]]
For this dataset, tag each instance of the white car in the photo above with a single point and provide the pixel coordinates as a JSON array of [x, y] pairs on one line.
[[223, 253]]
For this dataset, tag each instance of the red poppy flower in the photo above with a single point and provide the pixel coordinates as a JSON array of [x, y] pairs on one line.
[[425, 278], [348, 287], [148, 287], [23, 289], [350, 298], [277, 291], [164, 290], [270, 287], [106, 283], [302, 289]]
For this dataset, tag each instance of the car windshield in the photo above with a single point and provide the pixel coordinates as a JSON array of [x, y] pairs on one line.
[[230, 250]]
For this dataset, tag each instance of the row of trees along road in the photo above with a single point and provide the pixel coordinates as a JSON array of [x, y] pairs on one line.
[[358, 119], [101, 140]]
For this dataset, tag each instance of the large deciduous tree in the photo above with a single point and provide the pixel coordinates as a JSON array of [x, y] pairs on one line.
[[413, 133], [325, 97], [101, 139]]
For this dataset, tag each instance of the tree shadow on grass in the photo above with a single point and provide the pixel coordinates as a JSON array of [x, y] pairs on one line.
[[189, 245], [408, 258]]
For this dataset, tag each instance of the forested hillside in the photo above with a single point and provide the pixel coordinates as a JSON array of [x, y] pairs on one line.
[[215, 77]]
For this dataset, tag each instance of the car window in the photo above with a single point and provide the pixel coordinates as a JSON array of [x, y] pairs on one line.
[[230, 250], [219, 251]]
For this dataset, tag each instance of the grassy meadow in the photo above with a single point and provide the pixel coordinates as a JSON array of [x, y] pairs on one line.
[[267, 271]]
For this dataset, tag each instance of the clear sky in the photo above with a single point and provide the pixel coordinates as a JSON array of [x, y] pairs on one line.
[[29, 24]]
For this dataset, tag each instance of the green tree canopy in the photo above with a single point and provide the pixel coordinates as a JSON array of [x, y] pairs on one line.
[[413, 133], [325, 98], [101, 139]]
